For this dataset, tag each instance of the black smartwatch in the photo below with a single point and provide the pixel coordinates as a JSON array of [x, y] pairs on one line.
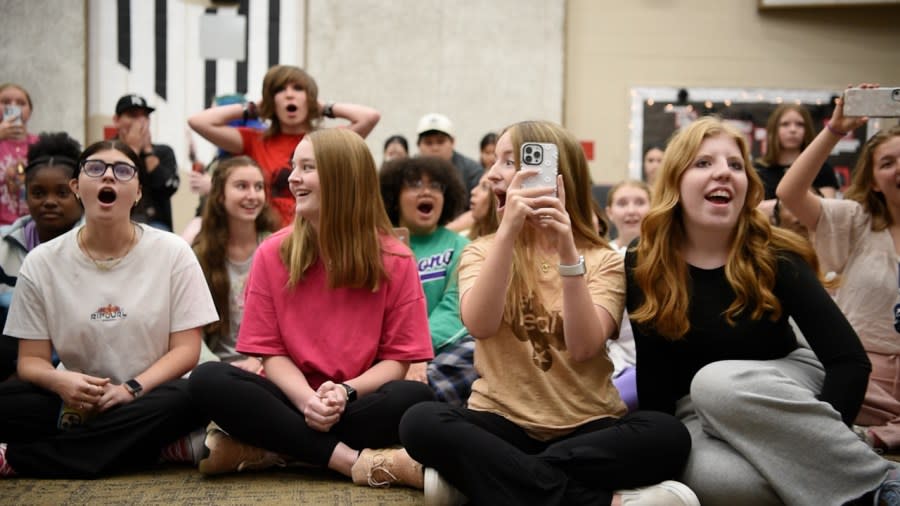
[[134, 387], [351, 392]]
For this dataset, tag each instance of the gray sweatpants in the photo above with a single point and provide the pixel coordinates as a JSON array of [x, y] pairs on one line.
[[761, 437]]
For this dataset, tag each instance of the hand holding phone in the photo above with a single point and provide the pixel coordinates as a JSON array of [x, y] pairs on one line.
[[12, 113], [544, 157]]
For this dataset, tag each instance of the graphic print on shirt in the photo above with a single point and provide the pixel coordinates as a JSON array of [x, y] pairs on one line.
[[434, 267], [109, 312], [544, 329]]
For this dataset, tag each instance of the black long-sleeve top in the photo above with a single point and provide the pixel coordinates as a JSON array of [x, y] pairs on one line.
[[665, 368]]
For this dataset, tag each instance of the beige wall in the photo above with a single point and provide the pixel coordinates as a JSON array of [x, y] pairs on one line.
[[614, 46], [45, 53]]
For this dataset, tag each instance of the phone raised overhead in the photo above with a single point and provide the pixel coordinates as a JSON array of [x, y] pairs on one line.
[[872, 102], [544, 157]]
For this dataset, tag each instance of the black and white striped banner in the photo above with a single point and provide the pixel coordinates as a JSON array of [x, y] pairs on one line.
[[152, 48]]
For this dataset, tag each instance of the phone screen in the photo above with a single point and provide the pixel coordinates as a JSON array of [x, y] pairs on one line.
[[13, 112]]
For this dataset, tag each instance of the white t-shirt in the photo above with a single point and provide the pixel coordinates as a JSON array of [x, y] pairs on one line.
[[114, 323]]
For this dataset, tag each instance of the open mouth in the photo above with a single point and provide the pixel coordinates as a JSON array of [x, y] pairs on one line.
[[107, 196], [425, 207], [501, 199], [292, 108], [719, 197]]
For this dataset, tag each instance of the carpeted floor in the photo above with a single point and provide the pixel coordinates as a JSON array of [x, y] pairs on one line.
[[182, 485]]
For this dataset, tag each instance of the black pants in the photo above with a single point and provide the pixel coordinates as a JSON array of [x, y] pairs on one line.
[[494, 461], [9, 352], [127, 437], [254, 410]]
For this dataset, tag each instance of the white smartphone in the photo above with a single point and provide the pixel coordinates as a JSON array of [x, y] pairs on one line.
[[13, 112], [543, 156], [872, 102]]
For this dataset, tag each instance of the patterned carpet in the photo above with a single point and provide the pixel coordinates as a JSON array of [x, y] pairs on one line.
[[181, 485]]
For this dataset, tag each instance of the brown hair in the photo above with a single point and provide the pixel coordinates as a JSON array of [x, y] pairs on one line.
[[773, 144], [211, 242], [276, 79], [862, 188], [352, 218], [661, 272]]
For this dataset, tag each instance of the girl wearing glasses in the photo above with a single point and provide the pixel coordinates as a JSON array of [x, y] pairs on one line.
[[336, 312], [123, 305], [290, 103], [544, 423], [422, 194], [859, 238]]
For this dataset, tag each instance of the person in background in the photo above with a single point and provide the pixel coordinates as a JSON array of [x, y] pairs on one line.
[[132, 122], [335, 310], [487, 148], [652, 160], [544, 424], [711, 289], [395, 148], [436, 138], [236, 218], [420, 194], [290, 102], [122, 304], [52, 211], [16, 107], [483, 206], [788, 132], [627, 203], [859, 239]]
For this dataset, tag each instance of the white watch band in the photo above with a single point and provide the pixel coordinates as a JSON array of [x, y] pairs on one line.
[[573, 270]]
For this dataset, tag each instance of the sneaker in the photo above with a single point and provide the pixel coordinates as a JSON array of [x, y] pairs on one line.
[[439, 492], [385, 467], [867, 437], [667, 493], [227, 455], [888, 494]]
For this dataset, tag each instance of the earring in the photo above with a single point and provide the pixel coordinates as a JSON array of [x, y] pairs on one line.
[[136, 202], [77, 197]]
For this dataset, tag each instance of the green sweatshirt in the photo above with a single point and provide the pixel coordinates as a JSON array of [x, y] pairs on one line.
[[437, 256]]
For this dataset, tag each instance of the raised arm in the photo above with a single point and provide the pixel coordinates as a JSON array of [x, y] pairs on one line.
[[362, 118], [793, 190], [212, 125]]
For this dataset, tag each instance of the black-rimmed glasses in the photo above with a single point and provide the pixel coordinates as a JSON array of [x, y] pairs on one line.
[[97, 168], [419, 185]]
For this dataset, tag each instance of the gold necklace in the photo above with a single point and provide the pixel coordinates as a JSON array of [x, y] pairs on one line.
[[110, 264]]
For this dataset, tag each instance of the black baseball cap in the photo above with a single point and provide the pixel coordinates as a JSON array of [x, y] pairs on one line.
[[132, 101]]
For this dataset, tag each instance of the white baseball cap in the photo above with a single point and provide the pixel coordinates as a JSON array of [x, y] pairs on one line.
[[434, 122]]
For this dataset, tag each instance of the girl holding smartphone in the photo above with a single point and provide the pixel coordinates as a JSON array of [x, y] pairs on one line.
[[544, 424]]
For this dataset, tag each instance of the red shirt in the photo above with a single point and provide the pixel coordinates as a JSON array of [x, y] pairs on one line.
[[273, 154], [334, 334]]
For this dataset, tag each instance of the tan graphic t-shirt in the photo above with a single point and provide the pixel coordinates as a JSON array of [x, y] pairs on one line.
[[526, 373]]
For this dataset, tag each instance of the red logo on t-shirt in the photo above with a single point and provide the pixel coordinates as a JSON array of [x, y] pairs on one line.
[[108, 312]]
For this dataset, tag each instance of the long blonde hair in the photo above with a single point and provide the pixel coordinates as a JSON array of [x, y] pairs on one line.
[[661, 272], [577, 184], [352, 218], [862, 189]]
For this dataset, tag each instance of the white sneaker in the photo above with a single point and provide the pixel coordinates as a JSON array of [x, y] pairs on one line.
[[667, 493], [438, 492]]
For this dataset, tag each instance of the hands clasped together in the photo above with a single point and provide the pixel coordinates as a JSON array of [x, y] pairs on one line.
[[89, 393], [324, 409]]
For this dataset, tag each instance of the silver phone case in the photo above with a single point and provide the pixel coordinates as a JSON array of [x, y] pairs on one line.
[[872, 102]]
